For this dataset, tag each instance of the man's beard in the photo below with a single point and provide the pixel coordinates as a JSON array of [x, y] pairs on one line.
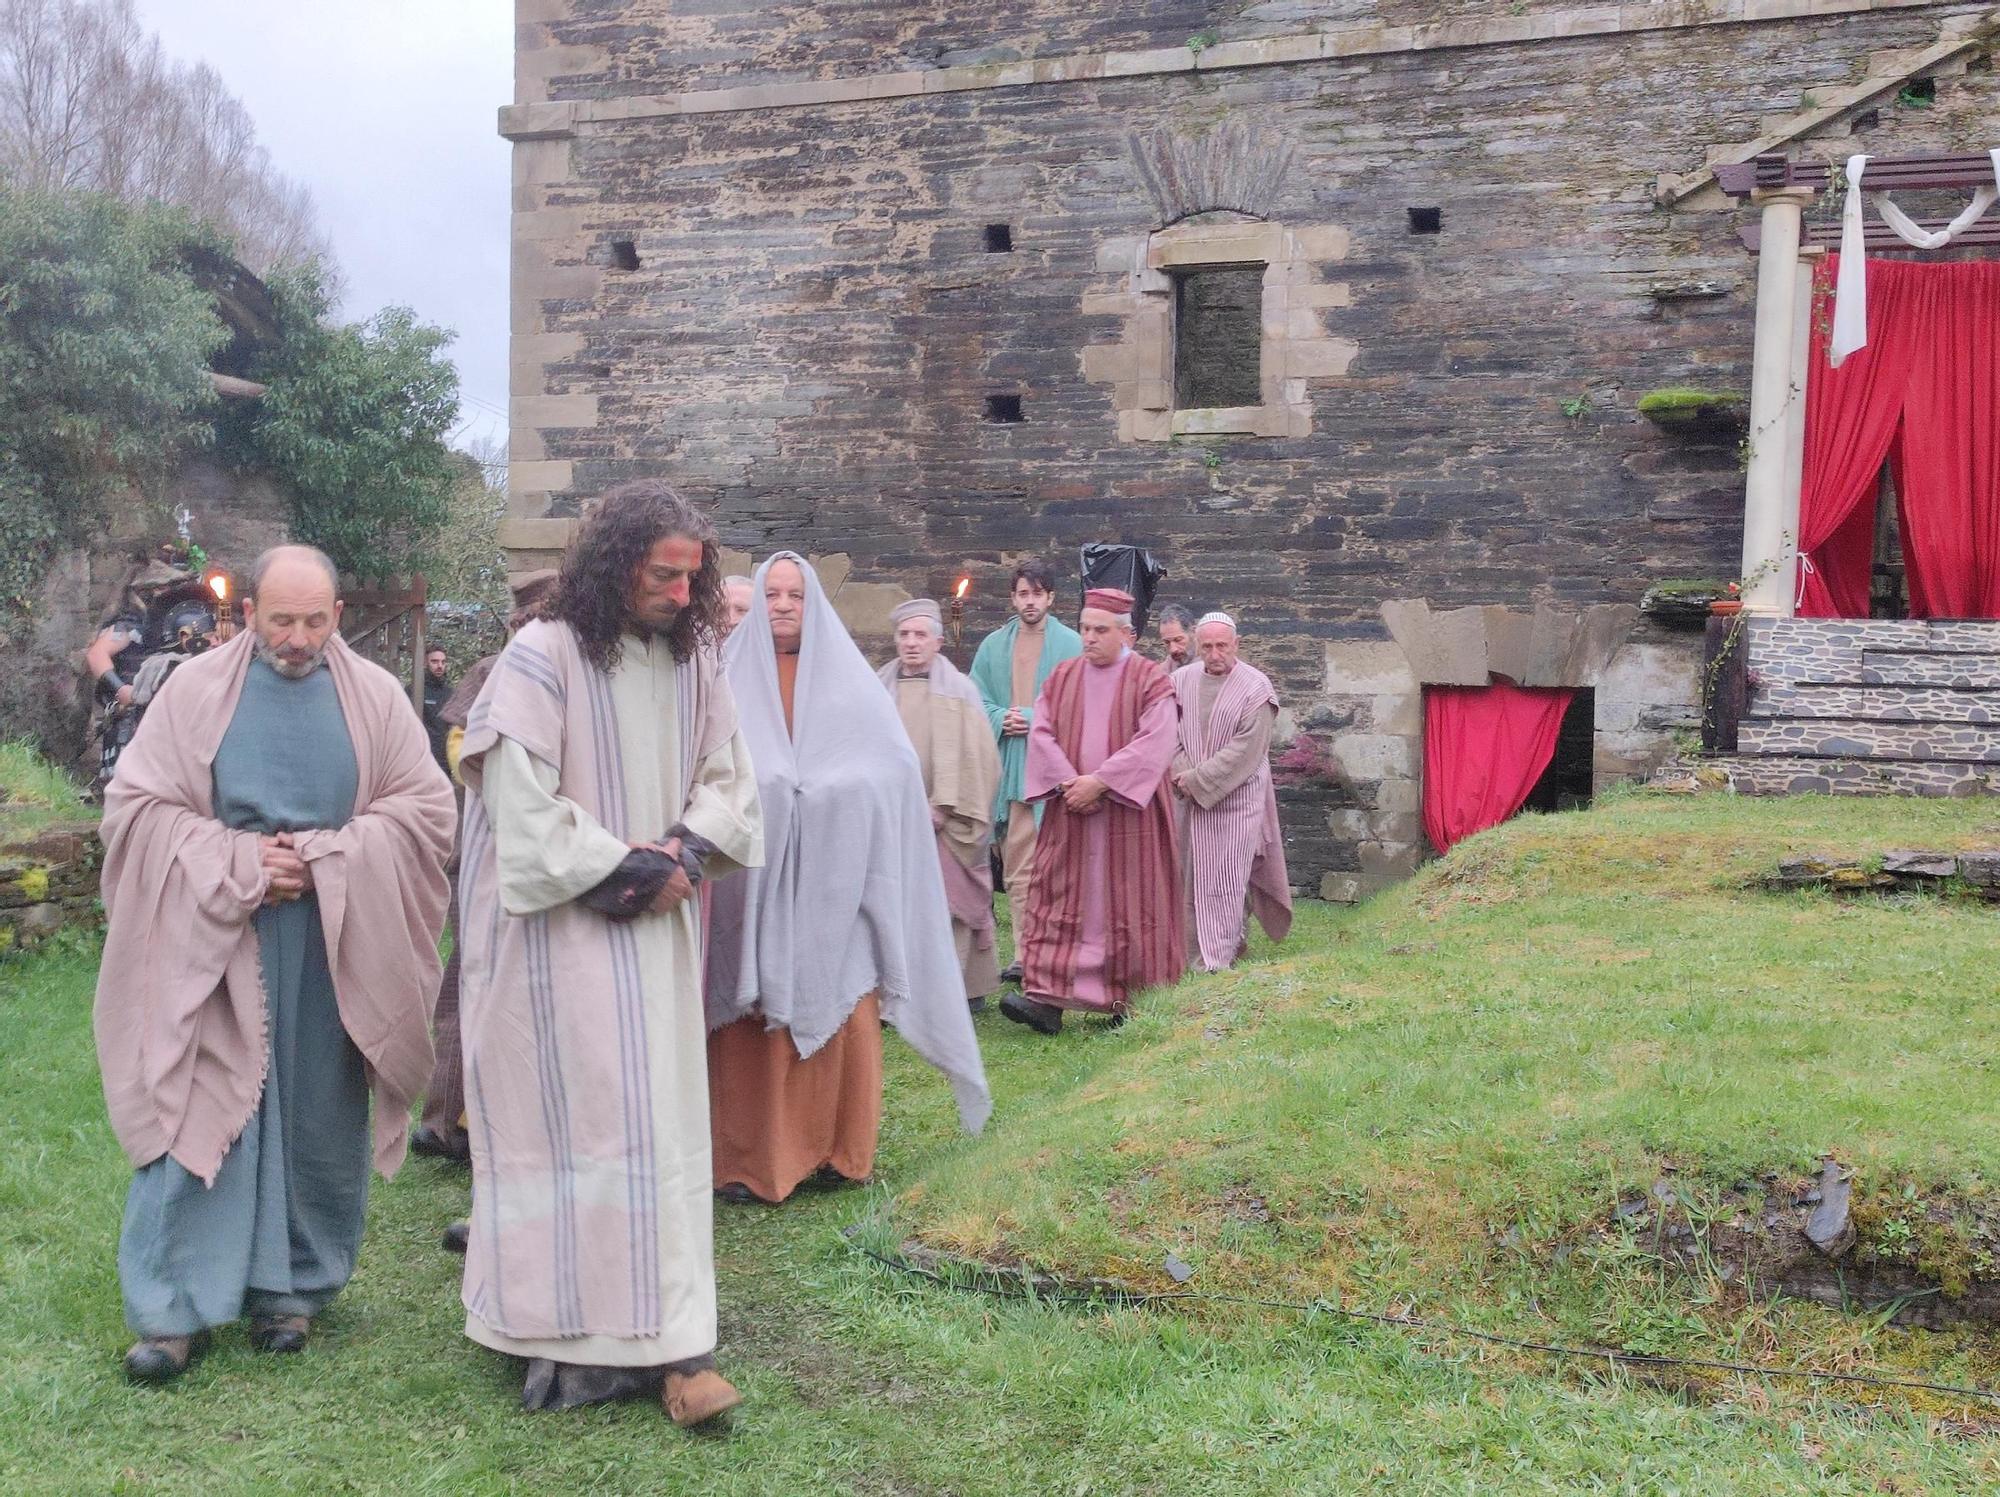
[[646, 629], [291, 670]]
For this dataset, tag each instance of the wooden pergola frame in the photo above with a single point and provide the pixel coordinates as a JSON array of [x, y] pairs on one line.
[[1885, 174], [1782, 188]]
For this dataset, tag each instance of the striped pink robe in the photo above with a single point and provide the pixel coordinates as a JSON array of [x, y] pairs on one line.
[[1232, 851], [1103, 915]]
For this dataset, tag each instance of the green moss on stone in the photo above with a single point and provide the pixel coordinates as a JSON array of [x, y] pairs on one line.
[[1677, 405]]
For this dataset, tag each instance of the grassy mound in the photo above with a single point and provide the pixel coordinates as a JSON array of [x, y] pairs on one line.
[[1439, 1101], [34, 793]]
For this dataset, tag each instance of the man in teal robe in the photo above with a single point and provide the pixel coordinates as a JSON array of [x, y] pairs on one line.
[[1009, 669], [278, 824]]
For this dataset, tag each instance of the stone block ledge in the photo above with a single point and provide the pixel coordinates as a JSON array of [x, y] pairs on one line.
[[557, 119]]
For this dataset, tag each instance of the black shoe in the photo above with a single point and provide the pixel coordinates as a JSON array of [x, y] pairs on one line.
[[735, 1193], [433, 1144], [1042, 1017], [1011, 972], [283, 1334], [161, 1359], [826, 1177], [455, 1236], [975, 1005]]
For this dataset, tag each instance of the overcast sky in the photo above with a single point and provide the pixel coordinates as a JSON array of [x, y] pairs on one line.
[[385, 109]]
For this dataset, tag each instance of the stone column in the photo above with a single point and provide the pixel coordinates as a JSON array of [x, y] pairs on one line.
[[1795, 424], [1769, 564]]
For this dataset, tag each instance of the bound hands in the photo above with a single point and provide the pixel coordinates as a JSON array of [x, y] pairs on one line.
[[677, 889], [1014, 723], [289, 875], [1083, 794]]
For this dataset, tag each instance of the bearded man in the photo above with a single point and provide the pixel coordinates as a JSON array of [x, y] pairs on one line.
[[1104, 913], [274, 849], [844, 929], [1010, 668], [605, 781], [945, 717], [1177, 635], [1232, 852]]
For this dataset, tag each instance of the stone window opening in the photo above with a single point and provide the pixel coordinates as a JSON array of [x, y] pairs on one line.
[[1426, 220], [1005, 410], [1224, 319], [999, 239], [1218, 337], [624, 254]]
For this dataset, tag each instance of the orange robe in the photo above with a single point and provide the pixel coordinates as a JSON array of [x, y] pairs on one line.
[[775, 1119]]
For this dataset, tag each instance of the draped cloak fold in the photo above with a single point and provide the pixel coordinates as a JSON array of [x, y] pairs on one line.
[[963, 768], [585, 1069], [1116, 863], [1232, 849], [180, 1016], [850, 899]]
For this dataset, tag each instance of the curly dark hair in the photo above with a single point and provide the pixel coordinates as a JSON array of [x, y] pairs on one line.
[[604, 560]]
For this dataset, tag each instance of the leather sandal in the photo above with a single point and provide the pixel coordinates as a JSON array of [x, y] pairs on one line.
[[161, 1359], [280, 1333], [692, 1398]]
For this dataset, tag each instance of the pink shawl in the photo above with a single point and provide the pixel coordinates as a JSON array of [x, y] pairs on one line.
[[180, 1015]]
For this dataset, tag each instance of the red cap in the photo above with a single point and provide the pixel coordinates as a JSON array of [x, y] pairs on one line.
[[1110, 599]]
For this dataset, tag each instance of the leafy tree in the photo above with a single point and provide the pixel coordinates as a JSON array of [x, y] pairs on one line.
[[104, 347], [353, 424]]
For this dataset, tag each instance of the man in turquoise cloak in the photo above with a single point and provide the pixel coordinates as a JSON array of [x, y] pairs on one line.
[[1012, 663]]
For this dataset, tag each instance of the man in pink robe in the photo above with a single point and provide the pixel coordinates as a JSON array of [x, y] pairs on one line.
[[1232, 854], [1103, 916]]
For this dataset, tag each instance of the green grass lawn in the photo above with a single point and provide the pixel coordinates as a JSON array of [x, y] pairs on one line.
[[1423, 1104], [34, 793]]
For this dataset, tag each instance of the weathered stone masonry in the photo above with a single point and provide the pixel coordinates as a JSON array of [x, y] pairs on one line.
[[814, 325]]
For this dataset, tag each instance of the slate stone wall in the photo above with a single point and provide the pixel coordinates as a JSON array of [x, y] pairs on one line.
[[814, 325]]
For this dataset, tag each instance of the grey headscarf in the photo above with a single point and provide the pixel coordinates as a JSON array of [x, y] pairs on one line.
[[849, 900]]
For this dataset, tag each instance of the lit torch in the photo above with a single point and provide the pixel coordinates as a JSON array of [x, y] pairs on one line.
[[958, 611], [218, 583]]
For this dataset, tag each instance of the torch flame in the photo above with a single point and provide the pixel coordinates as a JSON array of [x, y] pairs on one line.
[[963, 584], [219, 585]]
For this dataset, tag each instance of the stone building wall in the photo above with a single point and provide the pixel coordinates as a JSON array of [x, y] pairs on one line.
[[777, 293]]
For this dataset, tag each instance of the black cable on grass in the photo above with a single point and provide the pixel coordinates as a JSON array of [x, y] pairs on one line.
[[987, 1281]]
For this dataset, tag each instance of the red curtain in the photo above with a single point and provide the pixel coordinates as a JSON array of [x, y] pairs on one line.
[[1947, 457], [1852, 414], [1923, 395], [1484, 748]]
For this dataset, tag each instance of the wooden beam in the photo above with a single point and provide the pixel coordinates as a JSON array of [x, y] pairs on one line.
[[1884, 174], [1881, 238]]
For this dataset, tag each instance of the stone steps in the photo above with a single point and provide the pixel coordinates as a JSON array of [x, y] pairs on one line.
[[1900, 703], [1963, 672], [1797, 775], [1856, 738]]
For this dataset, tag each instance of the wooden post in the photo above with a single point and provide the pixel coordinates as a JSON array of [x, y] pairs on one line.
[[419, 595]]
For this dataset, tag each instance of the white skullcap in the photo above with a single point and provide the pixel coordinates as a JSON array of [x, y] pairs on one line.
[[1217, 617]]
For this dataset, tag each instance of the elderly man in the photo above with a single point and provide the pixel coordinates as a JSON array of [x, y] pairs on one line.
[[275, 840], [606, 779], [738, 598], [1177, 635], [845, 928], [1010, 668], [1232, 854], [946, 719], [1103, 917]]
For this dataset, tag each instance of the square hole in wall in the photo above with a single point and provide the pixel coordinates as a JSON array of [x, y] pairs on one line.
[[1218, 337], [1426, 220], [1919, 92], [999, 239], [624, 254], [1866, 120], [1980, 63], [1005, 409]]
